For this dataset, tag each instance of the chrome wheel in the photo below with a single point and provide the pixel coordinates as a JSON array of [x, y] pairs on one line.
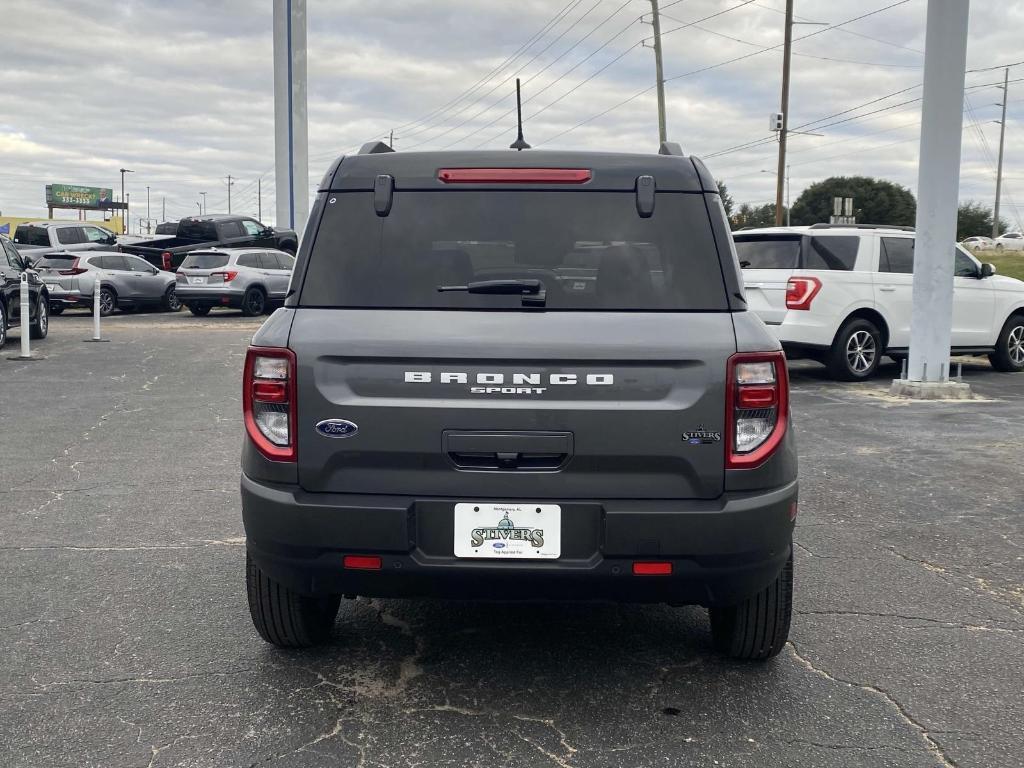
[[106, 302], [1015, 345], [861, 352], [173, 303], [43, 321]]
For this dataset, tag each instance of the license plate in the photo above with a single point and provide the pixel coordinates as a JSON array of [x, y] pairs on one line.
[[509, 531], [198, 280]]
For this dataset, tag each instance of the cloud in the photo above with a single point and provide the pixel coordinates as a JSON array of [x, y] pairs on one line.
[[183, 92]]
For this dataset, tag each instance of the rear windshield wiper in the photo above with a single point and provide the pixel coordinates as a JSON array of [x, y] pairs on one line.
[[532, 291]]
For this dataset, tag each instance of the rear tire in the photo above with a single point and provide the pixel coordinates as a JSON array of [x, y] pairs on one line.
[[3, 324], [41, 327], [108, 302], [254, 302], [199, 310], [757, 628], [856, 351], [285, 618], [1009, 354]]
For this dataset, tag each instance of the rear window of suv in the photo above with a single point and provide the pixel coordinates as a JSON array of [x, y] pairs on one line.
[[792, 251], [205, 261], [26, 235], [590, 250], [55, 262]]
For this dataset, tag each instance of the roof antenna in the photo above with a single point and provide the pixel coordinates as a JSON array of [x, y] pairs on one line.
[[520, 143]]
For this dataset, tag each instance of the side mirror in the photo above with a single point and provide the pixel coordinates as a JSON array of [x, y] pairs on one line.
[[268, 231], [987, 270]]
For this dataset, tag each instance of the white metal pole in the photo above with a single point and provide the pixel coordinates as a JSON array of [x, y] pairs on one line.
[[938, 182], [96, 309], [291, 135], [25, 324]]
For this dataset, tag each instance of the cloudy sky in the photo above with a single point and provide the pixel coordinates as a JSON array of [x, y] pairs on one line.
[[182, 92]]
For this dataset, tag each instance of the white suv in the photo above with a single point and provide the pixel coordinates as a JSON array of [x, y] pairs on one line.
[[842, 295]]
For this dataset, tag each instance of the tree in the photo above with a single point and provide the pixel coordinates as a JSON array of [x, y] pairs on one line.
[[974, 218], [875, 201], [753, 216], [727, 201]]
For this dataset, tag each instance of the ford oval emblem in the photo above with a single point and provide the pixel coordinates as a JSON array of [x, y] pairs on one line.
[[337, 428], [498, 545]]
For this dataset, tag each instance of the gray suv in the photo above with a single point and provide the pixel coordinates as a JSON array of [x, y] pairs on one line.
[[250, 279], [126, 282], [507, 375]]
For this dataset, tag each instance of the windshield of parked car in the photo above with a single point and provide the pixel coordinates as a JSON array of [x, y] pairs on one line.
[[205, 261], [589, 250], [29, 235], [55, 262]]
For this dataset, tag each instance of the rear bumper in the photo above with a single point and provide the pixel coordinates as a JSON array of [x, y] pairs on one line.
[[721, 551], [224, 297]]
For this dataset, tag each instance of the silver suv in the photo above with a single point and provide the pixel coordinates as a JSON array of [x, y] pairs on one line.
[[126, 282], [250, 279]]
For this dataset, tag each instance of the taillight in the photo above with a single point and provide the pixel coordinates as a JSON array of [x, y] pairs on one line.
[[268, 401], [226, 277], [757, 403], [180, 278], [800, 292], [165, 259], [73, 270]]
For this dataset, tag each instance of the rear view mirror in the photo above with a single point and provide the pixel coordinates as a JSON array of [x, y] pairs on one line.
[[987, 270]]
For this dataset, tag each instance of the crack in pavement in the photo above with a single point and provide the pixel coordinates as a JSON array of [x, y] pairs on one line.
[[940, 622], [201, 544], [1010, 598], [932, 746]]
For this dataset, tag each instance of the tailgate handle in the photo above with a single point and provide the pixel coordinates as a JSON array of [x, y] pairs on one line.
[[508, 451]]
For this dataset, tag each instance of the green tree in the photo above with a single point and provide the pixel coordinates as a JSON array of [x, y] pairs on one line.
[[974, 218], [748, 216], [875, 201], [727, 201]]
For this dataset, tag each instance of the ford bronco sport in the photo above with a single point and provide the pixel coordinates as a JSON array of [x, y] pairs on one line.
[[526, 375]]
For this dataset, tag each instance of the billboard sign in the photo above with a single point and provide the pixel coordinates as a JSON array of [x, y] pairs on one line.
[[75, 196]]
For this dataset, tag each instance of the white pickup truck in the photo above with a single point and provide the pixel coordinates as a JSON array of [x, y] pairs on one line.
[[842, 295]]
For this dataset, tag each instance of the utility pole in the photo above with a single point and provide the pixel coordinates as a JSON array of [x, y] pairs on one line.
[[124, 224], [788, 206], [259, 199], [127, 213], [230, 182], [391, 138], [999, 167], [149, 221], [163, 210], [658, 72], [787, 52], [203, 211]]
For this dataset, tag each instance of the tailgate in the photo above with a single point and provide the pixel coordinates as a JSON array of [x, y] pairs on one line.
[[766, 293], [513, 404]]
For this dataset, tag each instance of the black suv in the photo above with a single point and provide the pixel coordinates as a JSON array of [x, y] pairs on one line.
[[518, 375], [12, 265]]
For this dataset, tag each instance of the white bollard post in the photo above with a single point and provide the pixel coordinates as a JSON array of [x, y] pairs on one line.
[[26, 326], [96, 311]]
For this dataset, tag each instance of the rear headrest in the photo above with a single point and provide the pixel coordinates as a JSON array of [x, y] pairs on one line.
[[624, 274]]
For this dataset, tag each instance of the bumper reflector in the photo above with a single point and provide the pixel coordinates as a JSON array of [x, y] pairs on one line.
[[362, 562], [652, 569]]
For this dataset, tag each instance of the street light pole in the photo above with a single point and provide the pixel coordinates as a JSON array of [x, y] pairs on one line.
[[202, 210], [124, 224], [999, 167], [230, 183], [787, 53], [149, 221]]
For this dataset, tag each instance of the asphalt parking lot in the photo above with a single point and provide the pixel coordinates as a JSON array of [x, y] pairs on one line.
[[127, 640]]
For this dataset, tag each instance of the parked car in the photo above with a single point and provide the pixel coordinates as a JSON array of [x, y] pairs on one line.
[[520, 375], [38, 238], [979, 243], [126, 282], [205, 232], [842, 295], [12, 265], [250, 279], [1011, 241]]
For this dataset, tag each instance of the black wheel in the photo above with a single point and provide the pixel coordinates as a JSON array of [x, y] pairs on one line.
[[170, 302], [286, 618], [108, 301], [254, 302], [856, 351], [56, 309], [999, 246], [3, 324], [290, 247], [1009, 354], [757, 628], [199, 310], [41, 326]]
